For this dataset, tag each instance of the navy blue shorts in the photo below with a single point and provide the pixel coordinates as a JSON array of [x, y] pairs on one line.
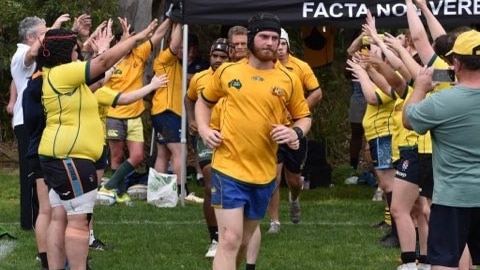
[[168, 127], [426, 175], [102, 162], [450, 228], [34, 169], [407, 168], [293, 160]]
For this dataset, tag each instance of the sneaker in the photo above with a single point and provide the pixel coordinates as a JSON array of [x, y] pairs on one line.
[[408, 266], [390, 241], [294, 209], [212, 249], [378, 196], [274, 227], [382, 225], [424, 266], [192, 198], [123, 198], [98, 245]]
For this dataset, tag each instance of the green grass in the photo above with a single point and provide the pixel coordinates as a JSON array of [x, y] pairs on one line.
[[334, 233]]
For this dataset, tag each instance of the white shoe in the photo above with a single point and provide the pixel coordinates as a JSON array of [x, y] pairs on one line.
[[408, 266], [274, 227], [212, 249], [192, 198], [378, 196]]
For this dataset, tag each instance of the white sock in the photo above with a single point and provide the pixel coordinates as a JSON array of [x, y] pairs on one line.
[[199, 175], [92, 238]]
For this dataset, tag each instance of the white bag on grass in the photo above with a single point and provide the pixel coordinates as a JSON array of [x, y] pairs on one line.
[[162, 189]]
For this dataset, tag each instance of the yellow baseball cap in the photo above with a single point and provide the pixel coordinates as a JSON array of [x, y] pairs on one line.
[[467, 43]]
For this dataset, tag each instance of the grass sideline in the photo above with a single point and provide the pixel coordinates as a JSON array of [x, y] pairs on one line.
[[334, 233]]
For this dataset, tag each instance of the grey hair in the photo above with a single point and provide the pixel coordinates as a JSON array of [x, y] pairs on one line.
[[27, 26]]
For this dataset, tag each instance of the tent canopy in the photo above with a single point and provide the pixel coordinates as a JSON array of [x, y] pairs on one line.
[[343, 14]]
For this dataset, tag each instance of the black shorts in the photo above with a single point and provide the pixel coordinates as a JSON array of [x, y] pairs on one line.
[[426, 175], [70, 178], [408, 166], [293, 160], [34, 169], [450, 228]]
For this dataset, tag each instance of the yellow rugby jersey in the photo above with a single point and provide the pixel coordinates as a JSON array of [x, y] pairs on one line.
[[425, 140], [377, 119], [304, 72], [401, 137], [253, 100], [73, 126], [198, 82], [127, 77], [170, 97]]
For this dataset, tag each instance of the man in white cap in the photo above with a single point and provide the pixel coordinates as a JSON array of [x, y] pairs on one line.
[[293, 160], [452, 119]]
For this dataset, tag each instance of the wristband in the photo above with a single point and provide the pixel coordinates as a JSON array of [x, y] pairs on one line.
[[299, 132]]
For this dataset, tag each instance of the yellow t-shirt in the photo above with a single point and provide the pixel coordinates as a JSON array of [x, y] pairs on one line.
[[128, 77], [377, 119], [401, 137], [73, 126], [253, 100], [304, 72], [170, 97], [425, 140]]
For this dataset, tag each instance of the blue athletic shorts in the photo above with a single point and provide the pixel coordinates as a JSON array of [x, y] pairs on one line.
[[228, 193], [381, 152]]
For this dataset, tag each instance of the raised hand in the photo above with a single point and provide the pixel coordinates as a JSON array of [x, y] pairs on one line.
[[60, 20]]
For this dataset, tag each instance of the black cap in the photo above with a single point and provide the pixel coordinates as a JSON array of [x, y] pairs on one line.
[[262, 22]]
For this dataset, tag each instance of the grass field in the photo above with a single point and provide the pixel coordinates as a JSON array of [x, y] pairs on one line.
[[334, 233]]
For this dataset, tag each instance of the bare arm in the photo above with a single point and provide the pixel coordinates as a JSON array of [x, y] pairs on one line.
[[106, 60], [362, 76], [160, 32], [434, 26], [418, 33], [314, 97], [407, 60], [176, 38], [13, 98], [155, 83], [356, 44], [190, 109], [423, 85], [203, 111]]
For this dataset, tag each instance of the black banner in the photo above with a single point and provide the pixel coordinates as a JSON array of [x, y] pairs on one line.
[[345, 14]]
